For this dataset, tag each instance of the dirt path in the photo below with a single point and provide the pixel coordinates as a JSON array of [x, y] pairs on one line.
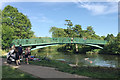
[[43, 72]]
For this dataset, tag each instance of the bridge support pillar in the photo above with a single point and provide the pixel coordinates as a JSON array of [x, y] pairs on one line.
[[76, 47]]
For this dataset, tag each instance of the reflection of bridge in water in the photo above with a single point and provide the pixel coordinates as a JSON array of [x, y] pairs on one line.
[[37, 43]]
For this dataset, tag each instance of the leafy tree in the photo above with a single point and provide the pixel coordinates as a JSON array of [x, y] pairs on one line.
[[18, 21], [69, 24], [15, 25], [58, 32], [90, 30], [103, 37], [110, 37], [69, 30], [113, 47], [77, 31], [7, 36]]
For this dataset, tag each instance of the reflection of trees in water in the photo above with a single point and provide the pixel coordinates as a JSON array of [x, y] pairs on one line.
[[79, 59], [109, 57]]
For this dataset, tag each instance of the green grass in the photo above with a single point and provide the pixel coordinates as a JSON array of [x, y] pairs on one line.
[[94, 72], [9, 72]]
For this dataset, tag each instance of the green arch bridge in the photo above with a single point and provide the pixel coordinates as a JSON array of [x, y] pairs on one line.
[[37, 43]]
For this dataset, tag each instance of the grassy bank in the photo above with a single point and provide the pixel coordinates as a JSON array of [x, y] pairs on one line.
[[9, 72], [94, 72]]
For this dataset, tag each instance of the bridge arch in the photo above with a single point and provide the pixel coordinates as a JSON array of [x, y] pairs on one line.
[[44, 42]]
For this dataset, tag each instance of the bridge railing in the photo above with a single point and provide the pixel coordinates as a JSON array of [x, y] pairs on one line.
[[56, 40]]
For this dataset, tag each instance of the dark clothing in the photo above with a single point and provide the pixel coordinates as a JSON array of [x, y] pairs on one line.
[[20, 50], [17, 56], [29, 53], [26, 56]]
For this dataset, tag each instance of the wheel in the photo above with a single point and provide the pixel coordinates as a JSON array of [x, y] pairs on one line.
[[15, 61], [9, 61]]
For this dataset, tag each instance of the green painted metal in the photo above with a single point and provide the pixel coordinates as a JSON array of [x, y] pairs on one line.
[[38, 47], [46, 41]]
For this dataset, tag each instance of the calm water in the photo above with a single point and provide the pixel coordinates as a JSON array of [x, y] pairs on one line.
[[83, 59]]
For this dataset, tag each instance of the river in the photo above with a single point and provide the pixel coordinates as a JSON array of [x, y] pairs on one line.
[[82, 59]]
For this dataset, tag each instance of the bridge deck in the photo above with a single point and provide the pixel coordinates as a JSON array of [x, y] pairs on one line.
[[46, 41]]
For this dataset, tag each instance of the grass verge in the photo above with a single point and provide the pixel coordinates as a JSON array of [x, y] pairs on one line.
[[9, 72]]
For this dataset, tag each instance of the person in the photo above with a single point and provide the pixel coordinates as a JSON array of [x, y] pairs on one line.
[[29, 52], [17, 57], [71, 40], [11, 51], [10, 54], [26, 55], [20, 51]]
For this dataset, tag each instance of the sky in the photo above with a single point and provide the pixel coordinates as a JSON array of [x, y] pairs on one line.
[[102, 16]]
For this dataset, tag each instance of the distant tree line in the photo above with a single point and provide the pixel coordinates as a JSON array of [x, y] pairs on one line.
[[113, 46], [73, 31]]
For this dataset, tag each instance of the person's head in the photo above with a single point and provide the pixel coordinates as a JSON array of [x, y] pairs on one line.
[[13, 47], [29, 47], [20, 45]]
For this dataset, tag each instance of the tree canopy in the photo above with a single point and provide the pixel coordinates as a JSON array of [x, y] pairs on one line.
[[15, 25], [113, 46], [74, 31]]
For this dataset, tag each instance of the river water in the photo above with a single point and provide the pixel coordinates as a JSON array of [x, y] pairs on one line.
[[83, 59]]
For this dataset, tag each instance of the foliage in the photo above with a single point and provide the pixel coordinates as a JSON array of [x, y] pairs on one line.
[[58, 32], [7, 36], [74, 31], [15, 25], [113, 47], [110, 37]]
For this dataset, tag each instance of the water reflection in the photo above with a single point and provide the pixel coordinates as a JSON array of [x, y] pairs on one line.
[[82, 59]]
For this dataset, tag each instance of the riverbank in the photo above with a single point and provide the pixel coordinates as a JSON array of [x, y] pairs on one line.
[[41, 72], [94, 72]]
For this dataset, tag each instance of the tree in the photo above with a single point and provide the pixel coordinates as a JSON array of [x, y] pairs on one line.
[[77, 31], [18, 21], [110, 37], [14, 24], [69, 30], [7, 36], [113, 47], [103, 37], [58, 32]]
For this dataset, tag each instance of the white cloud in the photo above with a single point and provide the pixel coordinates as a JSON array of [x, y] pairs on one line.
[[99, 8]]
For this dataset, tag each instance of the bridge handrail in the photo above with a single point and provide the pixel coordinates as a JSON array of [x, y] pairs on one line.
[[57, 40]]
